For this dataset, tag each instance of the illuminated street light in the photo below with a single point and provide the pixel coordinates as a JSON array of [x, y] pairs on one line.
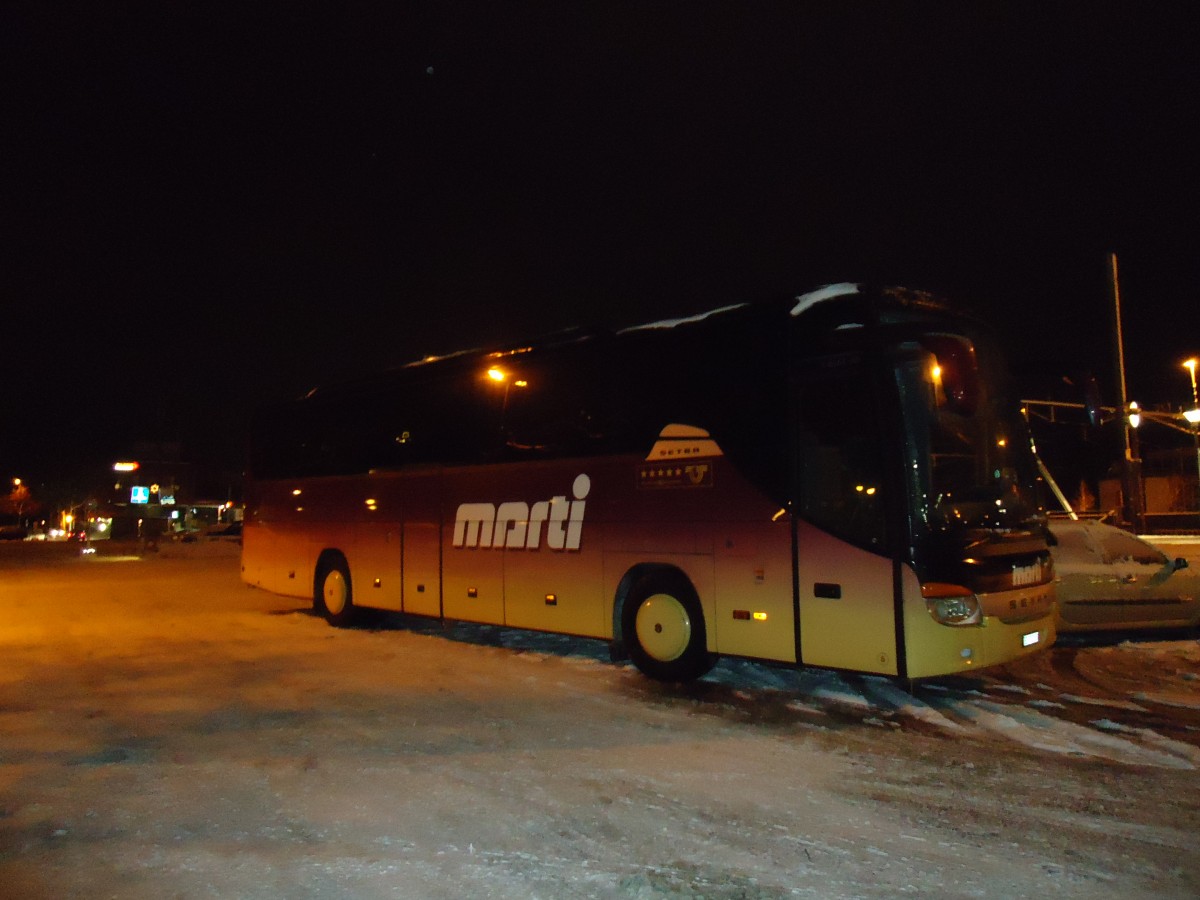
[[1135, 416], [1193, 416]]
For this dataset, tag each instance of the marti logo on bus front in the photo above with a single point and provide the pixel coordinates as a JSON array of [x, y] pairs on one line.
[[517, 525], [1027, 575]]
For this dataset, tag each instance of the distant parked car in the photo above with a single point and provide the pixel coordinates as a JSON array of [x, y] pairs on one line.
[[1109, 579], [12, 532]]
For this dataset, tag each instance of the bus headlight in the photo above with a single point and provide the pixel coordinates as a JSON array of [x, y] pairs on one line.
[[952, 604]]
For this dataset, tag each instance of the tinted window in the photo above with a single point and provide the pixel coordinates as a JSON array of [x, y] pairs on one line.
[[451, 417], [838, 451], [557, 403]]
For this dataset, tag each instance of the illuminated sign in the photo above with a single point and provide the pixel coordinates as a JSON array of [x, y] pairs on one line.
[[139, 494], [125, 467]]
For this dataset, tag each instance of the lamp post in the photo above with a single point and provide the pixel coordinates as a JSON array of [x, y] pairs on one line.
[[1193, 416], [1133, 509]]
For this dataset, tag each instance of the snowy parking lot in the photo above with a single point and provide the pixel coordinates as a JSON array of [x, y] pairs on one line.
[[166, 731]]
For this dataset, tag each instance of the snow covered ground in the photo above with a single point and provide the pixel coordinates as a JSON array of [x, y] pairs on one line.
[[166, 731]]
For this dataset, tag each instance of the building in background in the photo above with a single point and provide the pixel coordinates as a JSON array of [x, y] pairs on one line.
[[155, 492]]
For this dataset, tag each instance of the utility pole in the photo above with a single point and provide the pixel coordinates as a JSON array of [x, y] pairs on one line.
[[1132, 508]]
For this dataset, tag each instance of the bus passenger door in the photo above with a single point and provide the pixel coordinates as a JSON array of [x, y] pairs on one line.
[[847, 614], [845, 589], [422, 569]]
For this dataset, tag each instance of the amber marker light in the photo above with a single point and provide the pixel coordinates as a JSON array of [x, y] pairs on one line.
[[496, 374]]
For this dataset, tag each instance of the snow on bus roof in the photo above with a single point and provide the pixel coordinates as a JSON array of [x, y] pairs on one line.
[[805, 302], [686, 320], [424, 360]]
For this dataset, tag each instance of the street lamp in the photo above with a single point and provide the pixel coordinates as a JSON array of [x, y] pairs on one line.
[[1135, 414], [1193, 416], [1190, 365]]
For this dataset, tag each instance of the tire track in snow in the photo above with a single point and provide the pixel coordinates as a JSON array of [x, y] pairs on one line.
[[1146, 687], [1154, 739], [1118, 709], [1054, 735], [1040, 717], [908, 706]]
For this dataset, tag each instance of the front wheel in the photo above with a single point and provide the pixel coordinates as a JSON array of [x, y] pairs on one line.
[[333, 597], [662, 625]]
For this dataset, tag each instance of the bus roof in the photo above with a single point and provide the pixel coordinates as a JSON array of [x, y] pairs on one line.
[[794, 306]]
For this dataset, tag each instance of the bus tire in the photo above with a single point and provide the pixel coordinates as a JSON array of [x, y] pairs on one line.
[[333, 596], [662, 627]]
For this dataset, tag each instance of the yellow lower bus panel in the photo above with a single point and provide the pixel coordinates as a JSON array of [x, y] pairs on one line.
[[937, 649]]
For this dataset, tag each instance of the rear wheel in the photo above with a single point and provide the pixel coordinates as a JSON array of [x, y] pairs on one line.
[[333, 597], [662, 626]]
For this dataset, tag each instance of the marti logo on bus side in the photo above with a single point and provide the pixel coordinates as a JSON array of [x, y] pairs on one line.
[[517, 525]]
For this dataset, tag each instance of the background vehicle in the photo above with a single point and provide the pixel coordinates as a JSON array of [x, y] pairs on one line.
[[1107, 578], [13, 532], [838, 479]]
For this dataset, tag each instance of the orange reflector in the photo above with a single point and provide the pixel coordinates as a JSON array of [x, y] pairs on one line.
[[935, 589]]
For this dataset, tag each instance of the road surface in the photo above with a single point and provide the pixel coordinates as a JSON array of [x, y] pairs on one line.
[[166, 731]]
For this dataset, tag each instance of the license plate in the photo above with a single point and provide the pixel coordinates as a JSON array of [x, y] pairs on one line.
[[1028, 640]]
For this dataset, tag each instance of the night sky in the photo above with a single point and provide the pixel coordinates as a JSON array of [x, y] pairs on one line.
[[205, 208]]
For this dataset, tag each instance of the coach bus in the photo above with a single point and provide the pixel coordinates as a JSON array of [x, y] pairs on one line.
[[838, 479]]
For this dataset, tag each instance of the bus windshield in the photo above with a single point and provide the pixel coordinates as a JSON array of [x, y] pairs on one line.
[[969, 461]]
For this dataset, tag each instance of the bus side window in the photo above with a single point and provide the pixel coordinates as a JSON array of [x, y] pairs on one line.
[[555, 409], [838, 455], [450, 419]]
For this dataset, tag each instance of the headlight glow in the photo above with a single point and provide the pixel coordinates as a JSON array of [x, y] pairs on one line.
[[952, 604]]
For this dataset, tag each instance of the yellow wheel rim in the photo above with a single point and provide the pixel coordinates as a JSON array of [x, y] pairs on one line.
[[664, 628], [335, 592]]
